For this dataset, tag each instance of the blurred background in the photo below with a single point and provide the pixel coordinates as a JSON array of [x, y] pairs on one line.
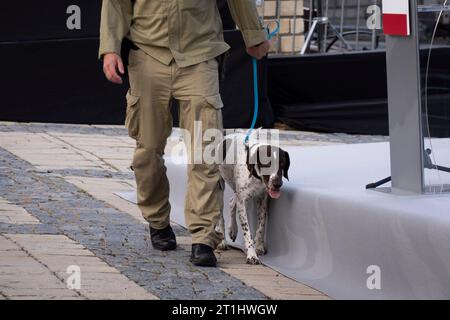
[[326, 71]]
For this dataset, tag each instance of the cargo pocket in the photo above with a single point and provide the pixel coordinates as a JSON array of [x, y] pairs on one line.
[[132, 116], [212, 115]]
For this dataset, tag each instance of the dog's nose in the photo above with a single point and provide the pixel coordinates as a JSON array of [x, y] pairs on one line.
[[277, 185]]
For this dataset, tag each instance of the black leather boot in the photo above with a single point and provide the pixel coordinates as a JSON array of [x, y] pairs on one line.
[[203, 255], [164, 239]]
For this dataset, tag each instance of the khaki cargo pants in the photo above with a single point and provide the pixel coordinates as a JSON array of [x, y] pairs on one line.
[[149, 121]]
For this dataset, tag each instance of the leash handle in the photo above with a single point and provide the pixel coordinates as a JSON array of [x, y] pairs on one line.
[[270, 35]]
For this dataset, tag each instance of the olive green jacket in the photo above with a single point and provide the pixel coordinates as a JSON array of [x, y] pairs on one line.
[[189, 31]]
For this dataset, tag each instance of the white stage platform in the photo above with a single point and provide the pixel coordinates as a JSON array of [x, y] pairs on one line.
[[326, 230]]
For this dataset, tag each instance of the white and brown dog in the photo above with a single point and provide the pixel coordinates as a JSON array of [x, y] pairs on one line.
[[255, 174]]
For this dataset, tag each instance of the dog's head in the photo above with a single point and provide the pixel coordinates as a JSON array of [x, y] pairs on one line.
[[269, 164]]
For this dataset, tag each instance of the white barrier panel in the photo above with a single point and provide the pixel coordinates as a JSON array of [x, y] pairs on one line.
[[330, 233]]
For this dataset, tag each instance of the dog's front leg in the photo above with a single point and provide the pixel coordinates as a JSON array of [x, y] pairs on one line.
[[232, 227], [262, 203], [252, 257]]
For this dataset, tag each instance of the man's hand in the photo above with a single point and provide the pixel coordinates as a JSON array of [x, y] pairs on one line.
[[113, 67], [260, 51]]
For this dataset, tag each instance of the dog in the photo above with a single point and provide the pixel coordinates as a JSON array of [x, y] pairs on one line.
[[256, 174]]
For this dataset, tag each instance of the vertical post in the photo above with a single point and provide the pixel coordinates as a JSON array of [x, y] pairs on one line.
[[321, 41], [311, 9], [404, 101], [325, 36], [293, 23], [341, 30], [278, 13], [358, 12], [374, 33]]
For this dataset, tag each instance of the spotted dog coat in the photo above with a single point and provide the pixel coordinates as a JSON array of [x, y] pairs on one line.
[[246, 187]]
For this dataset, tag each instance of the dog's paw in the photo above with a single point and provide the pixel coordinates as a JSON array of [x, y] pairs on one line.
[[222, 246], [260, 251], [253, 260]]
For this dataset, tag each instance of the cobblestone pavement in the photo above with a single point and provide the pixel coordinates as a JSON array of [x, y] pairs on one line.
[[58, 209]]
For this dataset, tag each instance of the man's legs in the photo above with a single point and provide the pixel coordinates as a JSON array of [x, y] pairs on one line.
[[149, 122], [197, 90]]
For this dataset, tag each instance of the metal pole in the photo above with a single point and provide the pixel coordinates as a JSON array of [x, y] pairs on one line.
[[310, 14], [341, 31], [358, 12], [278, 19], [325, 36], [374, 33], [294, 31], [308, 38], [405, 110], [320, 30]]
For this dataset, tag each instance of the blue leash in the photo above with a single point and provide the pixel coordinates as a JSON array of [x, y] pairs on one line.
[[271, 34]]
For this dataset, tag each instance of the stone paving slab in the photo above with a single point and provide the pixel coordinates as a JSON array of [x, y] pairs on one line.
[[104, 188], [10, 213], [16, 280], [52, 255]]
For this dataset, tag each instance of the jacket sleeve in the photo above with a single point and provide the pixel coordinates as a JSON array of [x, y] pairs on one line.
[[115, 24], [247, 19]]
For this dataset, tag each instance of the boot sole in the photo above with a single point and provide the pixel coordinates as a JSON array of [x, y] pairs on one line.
[[167, 247], [200, 263]]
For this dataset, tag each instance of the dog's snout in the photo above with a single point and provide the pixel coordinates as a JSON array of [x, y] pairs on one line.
[[277, 184], [276, 181]]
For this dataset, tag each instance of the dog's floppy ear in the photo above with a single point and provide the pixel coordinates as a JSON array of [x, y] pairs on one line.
[[251, 166], [287, 164], [252, 170]]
